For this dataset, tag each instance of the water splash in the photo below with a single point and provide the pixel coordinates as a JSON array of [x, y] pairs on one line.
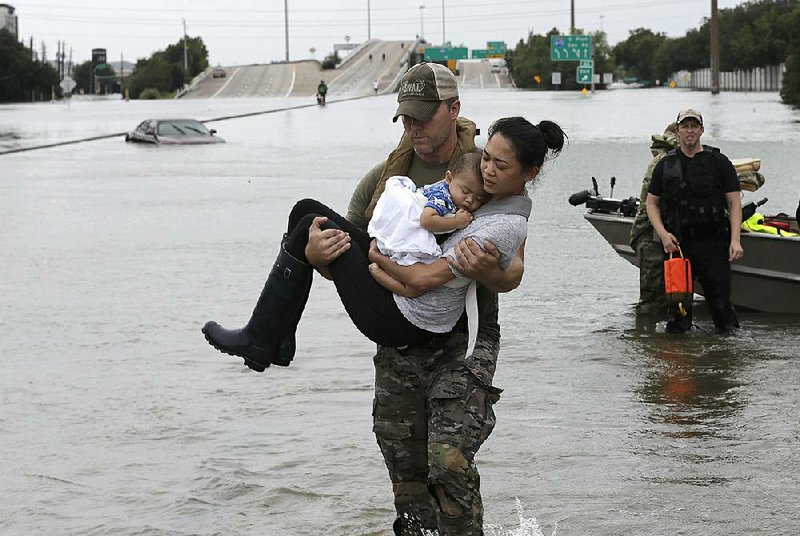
[[528, 526]]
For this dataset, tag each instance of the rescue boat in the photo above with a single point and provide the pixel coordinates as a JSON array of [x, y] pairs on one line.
[[766, 279]]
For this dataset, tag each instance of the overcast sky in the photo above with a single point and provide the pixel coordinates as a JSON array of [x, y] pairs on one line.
[[253, 31]]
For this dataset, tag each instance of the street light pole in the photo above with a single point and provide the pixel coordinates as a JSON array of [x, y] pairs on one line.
[[572, 17], [444, 38], [421, 22], [601, 22], [185, 51], [714, 48], [286, 25], [369, 33]]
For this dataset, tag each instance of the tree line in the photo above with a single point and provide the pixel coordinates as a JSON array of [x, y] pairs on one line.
[[753, 34], [161, 75], [22, 77]]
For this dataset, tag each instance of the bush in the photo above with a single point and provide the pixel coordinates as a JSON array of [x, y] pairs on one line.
[[151, 93], [331, 61]]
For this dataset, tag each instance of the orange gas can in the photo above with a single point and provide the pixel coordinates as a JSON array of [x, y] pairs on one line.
[[678, 278]]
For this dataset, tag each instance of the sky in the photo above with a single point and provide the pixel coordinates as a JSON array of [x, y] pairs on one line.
[[239, 32]]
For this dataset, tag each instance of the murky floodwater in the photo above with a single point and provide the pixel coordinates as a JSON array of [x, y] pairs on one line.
[[118, 418]]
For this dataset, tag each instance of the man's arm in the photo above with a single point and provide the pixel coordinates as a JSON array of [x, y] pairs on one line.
[[324, 246], [734, 202], [362, 196], [668, 239]]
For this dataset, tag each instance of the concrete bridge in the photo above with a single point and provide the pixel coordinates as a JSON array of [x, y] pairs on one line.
[[384, 61]]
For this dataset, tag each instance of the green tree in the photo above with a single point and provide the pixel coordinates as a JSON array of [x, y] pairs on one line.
[[331, 60], [164, 72], [21, 77], [603, 53], [82, 74], [635, 55], [790, 92], [530, 61]]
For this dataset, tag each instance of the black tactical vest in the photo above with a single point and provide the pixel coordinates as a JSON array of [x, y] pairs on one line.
[[696, 199]]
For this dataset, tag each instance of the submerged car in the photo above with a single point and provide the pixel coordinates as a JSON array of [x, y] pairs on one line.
[[172, 132]]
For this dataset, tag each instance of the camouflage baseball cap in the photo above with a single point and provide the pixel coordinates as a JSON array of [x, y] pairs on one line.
[[423, 88], [689, 113]]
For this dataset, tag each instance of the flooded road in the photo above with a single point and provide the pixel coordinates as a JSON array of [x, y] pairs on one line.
[[118, 418]]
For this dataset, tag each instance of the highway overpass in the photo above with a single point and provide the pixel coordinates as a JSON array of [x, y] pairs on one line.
[[384, 61]]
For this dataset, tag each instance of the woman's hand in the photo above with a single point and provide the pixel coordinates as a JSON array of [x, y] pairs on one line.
[[484, 265], [325, 245], [472, 261]]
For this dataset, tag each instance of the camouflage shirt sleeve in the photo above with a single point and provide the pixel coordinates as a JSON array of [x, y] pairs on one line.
[[362, 196]]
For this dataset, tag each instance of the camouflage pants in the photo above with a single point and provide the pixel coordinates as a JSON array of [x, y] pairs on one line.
[[650, 254], [431, 414]]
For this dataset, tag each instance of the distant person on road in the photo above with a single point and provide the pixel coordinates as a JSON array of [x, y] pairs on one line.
[[370, 57], [694, 203], [322, 90], [375, 86], [383, 56]]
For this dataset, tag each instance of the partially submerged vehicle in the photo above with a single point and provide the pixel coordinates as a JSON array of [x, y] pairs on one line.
[[766, 279], [173, 132]]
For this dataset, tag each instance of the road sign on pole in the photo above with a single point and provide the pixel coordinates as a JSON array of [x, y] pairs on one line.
[[570, 47], [584, 75], [67, 84], [587, 63]]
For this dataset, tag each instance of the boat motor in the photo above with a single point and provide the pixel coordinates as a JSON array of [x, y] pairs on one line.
[[750, 208], [596, 202]]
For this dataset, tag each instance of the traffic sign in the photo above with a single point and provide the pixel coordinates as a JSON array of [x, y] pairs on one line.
[[556, 78], [67, 84], [587, 63], [584, 75], [570, 47]]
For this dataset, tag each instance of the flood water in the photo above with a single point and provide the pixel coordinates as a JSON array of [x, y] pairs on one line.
[[116, 417]]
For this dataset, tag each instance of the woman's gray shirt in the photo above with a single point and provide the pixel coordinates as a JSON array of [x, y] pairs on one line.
[[439, 309]]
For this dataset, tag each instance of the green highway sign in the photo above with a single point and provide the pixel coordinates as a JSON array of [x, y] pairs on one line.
[[570, 47], [479, 53], [585, 75], [445, 53], [587, 63]]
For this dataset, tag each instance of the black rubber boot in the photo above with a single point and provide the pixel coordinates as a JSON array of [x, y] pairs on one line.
[[275, 313], [287, 346]]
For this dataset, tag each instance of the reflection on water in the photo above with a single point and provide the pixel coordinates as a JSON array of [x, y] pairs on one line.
[[9, 139], [692, 386]]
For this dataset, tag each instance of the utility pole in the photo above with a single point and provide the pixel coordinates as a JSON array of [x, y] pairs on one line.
[[286, 25], [185, 51], [369, 31], [444, 38], [421, 22], [572, 17], [714, 48]]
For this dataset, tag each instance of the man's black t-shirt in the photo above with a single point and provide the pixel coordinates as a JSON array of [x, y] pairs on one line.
[[723, 171]]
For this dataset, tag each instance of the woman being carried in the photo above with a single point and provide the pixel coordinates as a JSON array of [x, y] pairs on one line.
[[513, 156]]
